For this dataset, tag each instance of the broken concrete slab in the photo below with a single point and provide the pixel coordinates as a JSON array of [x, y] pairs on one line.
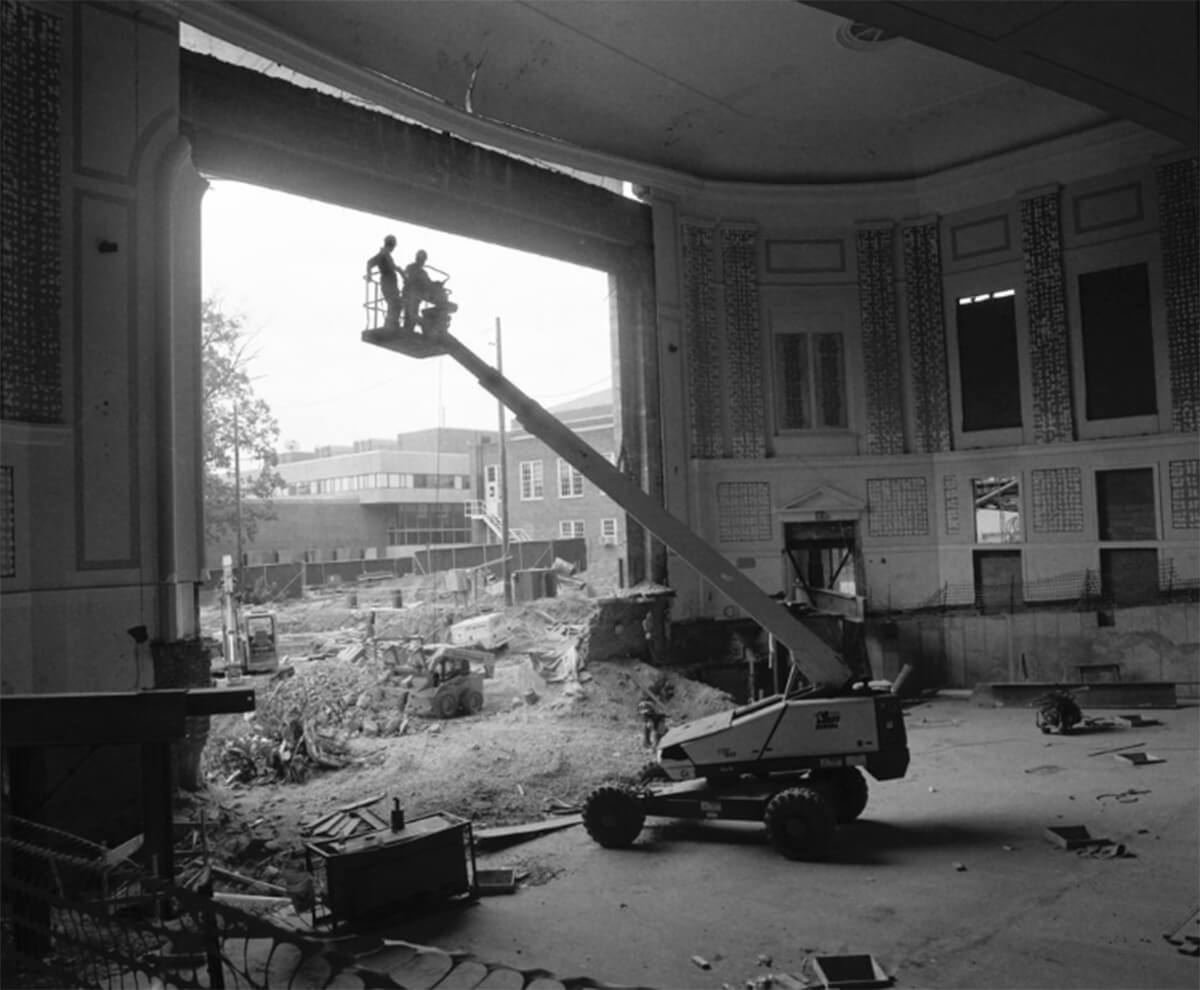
[[850, 972], [1072, 836], [1138, 759]]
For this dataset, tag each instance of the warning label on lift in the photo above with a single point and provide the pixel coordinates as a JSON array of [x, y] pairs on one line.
[[827, 719]]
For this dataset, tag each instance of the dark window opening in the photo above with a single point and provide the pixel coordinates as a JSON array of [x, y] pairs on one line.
[[424, 523], [1118, 346], [812, 372], [987, 358], [998, 585], [1125, 504]]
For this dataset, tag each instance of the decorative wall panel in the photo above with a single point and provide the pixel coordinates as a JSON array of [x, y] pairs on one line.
[[743, 511], [1107, 208], [881, 345], [1046, 307], [806, 257], [31, 217], [927, 338], [897, 507], [1185, 494], [8, 523], [743, 343], [1057, 500], [1178, 219], [702, 329], [950, 503], [106, 463]]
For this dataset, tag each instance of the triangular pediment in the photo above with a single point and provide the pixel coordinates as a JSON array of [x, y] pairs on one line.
[[825, 498]]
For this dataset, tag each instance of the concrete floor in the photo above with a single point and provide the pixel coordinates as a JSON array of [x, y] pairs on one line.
[[982, 786]]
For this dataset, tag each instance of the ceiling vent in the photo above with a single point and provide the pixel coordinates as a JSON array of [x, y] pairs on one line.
[[861, 37]]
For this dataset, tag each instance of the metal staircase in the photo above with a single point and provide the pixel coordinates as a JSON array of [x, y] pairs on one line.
[[478, 510], [821, 664]]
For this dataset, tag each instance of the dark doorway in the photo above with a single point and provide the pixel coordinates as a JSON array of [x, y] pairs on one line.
[[998, 585], [823, 555], [1129, 576]]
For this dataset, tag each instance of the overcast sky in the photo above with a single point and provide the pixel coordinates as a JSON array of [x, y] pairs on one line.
[[293, 268]]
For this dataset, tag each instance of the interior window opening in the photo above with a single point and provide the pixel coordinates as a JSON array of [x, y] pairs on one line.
[[997, 502], [990, 373]]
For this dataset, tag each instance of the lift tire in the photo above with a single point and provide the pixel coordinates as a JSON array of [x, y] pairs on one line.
[[472, 702], [800, 823], [613, 816], [445, 705], [847, 790], [652, 772]]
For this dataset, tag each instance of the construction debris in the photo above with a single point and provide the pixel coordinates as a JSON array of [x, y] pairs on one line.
[[1072, 836], [346, 823], [1139, 759], [1186, 938], [857, 971]]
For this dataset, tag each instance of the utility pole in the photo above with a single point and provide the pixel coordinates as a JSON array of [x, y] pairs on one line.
[[237, 496], [504, 568]]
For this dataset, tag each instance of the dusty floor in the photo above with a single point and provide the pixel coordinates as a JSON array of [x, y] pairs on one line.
[[983, 785]]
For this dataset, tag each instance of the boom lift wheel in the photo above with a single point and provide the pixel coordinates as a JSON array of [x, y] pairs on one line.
[[445, 704], [847, 789], [800, 823], [613, 816], [472, 702]]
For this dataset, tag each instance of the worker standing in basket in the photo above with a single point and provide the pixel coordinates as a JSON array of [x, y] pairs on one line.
[[389, 283], [418, 288]]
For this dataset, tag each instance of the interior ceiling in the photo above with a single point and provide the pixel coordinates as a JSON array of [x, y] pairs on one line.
[[728, 90]]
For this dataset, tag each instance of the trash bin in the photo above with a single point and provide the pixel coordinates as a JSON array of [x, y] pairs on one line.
[[397, 598]]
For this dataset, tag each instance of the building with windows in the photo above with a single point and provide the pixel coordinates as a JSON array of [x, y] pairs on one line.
[[375, 497], [548, 498]]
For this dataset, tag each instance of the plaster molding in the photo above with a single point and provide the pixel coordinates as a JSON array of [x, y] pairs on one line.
[[825, 499]]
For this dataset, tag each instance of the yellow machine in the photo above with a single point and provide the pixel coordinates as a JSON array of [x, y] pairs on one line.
[[449, 684]]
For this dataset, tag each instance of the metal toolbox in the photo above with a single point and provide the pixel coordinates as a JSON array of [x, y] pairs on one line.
[[383, 872]]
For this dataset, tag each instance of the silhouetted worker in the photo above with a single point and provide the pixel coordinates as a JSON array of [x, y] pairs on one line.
[[388, 280], [418, 288]]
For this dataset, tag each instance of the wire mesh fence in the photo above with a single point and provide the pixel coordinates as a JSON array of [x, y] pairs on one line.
[[1084, 590]]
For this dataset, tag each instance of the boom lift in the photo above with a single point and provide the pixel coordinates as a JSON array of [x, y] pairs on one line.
[[790, 760]]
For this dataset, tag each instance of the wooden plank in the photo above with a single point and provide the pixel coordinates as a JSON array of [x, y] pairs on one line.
[[507, 834], [101, 718], [364, 803], [219, 700]]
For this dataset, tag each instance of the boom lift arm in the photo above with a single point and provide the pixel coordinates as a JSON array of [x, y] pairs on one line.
[[820, 663]]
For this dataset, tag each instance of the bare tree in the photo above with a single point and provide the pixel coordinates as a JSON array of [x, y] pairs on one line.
[[238, 425]]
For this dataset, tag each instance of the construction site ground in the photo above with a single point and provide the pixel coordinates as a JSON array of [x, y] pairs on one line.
[[538, 747], [949, 878]]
